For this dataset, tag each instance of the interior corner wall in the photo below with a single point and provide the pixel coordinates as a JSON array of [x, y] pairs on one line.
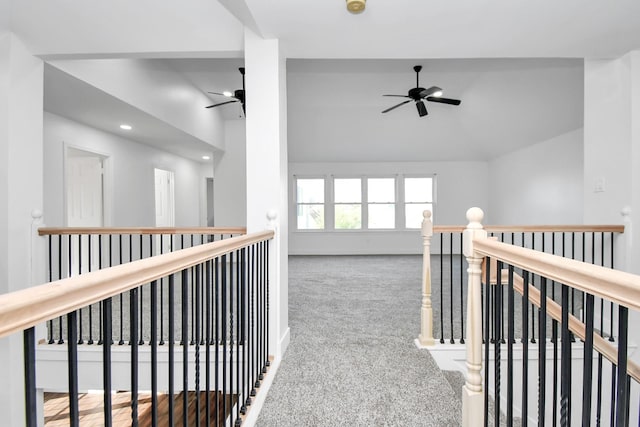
[[230, 178], [540, 184], [21, 192], [131, 170], [460, 185], [607, 139]]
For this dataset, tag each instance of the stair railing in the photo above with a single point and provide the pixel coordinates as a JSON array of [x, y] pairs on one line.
[[228, 282], [444, 280], [600, 386]]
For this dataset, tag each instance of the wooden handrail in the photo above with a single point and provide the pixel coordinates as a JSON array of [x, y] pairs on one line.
[[613, 285], [534, 228], [26, 308], [46, 231]]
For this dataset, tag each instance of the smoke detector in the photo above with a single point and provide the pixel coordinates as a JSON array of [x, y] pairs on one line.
[[356, 6]]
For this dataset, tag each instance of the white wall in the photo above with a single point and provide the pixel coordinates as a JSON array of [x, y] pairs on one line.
[[130, 167], [21, 192], [540, 184], [230, 178], [460, 185]]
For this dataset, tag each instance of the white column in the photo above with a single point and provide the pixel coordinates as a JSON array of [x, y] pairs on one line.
[[472, 395], [267, 168], [426, 310], [21, 183]]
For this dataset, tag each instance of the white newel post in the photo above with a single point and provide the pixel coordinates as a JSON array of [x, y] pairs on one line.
[[472, 395], [426, 310]]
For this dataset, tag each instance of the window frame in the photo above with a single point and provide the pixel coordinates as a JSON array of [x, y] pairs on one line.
[[296, 203], [329, 204]]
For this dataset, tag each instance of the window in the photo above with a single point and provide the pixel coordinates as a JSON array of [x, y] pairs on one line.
[[347, 197], [418, 196], [381, 207], [310, 203], [362, 203]]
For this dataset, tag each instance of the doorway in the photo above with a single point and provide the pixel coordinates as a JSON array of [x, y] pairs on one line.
[[84, 178]]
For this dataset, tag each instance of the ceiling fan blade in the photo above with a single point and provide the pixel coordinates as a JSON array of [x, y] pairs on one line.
[[399, 96], [444, 100], [396, 106], [430, 91], [422, 109], [222, 103]]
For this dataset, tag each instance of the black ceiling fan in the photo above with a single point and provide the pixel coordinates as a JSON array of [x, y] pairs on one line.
[[238, 96], [418, 94]]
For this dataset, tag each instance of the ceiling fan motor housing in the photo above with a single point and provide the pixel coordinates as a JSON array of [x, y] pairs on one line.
[[356, 6]]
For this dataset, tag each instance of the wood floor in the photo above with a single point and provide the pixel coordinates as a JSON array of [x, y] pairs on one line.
[[56, 409]]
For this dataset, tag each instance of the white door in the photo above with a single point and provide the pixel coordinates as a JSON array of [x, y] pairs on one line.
[[85, 205], [165, 205]]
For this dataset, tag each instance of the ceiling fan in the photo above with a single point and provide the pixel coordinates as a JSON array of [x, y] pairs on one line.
[[237, 96], [418, 94]]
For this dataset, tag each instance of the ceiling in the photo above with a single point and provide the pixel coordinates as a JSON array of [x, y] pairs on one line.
[[503, 59]]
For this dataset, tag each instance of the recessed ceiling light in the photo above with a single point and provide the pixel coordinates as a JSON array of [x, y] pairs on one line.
[[205, 157], [126, 127], [227, 93]]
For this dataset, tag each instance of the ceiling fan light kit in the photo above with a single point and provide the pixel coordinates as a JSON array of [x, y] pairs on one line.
[[419, 94], [356, 6]]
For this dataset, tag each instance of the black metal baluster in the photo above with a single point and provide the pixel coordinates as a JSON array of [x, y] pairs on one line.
[[216, 296], [542, 353], [198, 314], [622, 395], [461, 293], [244, 339], [141, 342], [231, 329], [224, 336], [587, 362], [153, 341], [565, 383], [533, 307], [208, 341], [267, 363], [193, 311], [451, 292], [172, 342], [161, 296], [29, 348], [90, 341], [238, 338], [133, 342], [60, 339], [441, 288], [487, 321], [554, 340], [106, 339], [80, 340], [121, 341], [611, 339], [50, 255], [100, 314], [72, 366], [184, 303], [510, 341], [497, 375], [252, 324], [525, 346]]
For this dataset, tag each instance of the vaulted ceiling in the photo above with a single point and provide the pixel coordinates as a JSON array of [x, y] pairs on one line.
[[516, 66]]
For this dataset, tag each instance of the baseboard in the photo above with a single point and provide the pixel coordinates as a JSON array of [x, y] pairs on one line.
[[258, 402], [284, 342]]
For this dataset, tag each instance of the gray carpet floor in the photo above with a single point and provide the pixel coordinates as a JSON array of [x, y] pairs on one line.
[[352, 360]]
